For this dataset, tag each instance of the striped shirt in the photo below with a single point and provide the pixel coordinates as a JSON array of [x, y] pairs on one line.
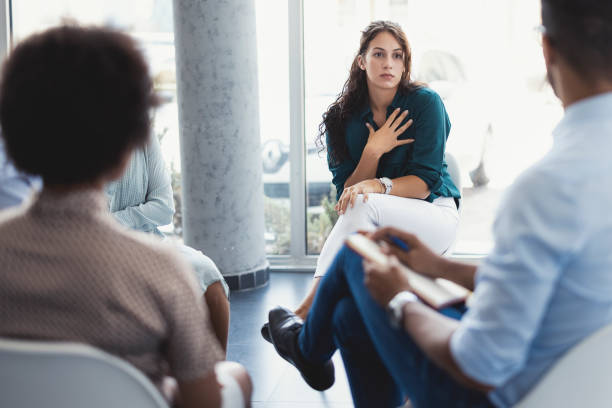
[[142, 198]]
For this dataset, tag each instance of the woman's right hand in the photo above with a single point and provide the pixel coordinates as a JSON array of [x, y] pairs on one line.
[[385, 139]]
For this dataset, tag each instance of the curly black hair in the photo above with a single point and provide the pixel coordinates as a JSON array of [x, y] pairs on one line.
[[74, 101], [354, 93]]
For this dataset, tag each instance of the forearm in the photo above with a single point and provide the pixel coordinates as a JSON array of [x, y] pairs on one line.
[[148, 215], [432, 332], [410, 187], [461, 273], [366, 168]]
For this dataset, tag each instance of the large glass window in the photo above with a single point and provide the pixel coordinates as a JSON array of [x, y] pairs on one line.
[[273, 70], [151, 22], [480, 56]]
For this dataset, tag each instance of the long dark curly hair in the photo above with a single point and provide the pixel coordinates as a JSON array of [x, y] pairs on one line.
[[354, 94]]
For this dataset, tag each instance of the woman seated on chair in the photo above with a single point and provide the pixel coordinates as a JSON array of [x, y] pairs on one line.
[[385, 137], [142, 200], [74, 104]]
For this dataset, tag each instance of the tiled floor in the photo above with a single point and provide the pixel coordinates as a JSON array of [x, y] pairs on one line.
[[276, 383]]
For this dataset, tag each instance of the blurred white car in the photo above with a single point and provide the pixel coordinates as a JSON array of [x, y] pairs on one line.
[[471, 124]]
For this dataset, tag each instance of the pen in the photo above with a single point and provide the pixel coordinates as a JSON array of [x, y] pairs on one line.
[[395, 240]]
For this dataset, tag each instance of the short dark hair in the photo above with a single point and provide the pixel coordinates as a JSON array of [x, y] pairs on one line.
[[73, 102], [581, 31]]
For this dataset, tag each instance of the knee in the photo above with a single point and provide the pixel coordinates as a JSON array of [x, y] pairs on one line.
[[346, 263], [350, 259], [359, 212], [239, 373], [347, 254]]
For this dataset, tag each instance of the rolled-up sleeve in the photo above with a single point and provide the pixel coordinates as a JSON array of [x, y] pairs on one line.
[[515, 283], [432, 126]]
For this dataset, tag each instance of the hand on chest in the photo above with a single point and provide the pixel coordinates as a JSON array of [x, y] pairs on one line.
[[358, 135]]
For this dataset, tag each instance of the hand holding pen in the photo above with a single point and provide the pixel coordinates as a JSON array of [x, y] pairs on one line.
[[393, 239], [409, 250]]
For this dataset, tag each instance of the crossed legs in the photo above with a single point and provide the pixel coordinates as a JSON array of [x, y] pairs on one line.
[[383, 364], [435, 224]]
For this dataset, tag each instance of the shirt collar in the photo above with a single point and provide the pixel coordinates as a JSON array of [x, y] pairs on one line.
[[366, 111], [594, 108], [79, 202], [395, 103]]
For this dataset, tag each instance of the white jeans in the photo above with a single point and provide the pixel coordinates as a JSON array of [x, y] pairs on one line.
[[435, 224]]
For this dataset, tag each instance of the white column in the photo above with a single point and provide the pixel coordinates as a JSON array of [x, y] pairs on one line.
[[5, 28], [216, 58]]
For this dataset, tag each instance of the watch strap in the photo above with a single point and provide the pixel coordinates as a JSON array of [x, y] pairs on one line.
[[395, 307], [387, 184]]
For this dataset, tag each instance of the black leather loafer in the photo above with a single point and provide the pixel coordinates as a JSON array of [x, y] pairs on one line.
[[265, 332], [284, 328]]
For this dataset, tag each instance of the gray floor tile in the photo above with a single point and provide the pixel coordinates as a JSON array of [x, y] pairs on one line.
[[276, 383], [292, 387]]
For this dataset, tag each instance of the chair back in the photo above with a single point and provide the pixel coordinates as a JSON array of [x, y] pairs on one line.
[[454, 172], [581, 378], [455, 175], [59, 375]]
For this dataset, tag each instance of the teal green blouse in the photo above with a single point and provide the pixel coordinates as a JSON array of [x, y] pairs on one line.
[[423, 158]]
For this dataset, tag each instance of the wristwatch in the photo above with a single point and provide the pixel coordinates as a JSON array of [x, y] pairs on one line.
[[395, 308], [387, 184]]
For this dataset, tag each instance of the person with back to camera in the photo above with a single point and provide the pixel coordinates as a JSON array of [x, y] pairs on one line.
[[74, 104], [385, 138], [545, 286]]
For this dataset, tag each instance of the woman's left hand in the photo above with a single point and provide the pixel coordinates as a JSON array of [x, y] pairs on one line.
[[349, 194]]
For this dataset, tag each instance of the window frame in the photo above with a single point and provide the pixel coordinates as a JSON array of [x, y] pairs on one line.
[[6, 27], [298, 260]]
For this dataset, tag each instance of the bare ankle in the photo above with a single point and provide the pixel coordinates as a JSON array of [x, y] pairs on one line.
[[301, 312]]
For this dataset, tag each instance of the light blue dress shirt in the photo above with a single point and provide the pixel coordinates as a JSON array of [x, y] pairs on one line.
[[547, 284], [14, 185]]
